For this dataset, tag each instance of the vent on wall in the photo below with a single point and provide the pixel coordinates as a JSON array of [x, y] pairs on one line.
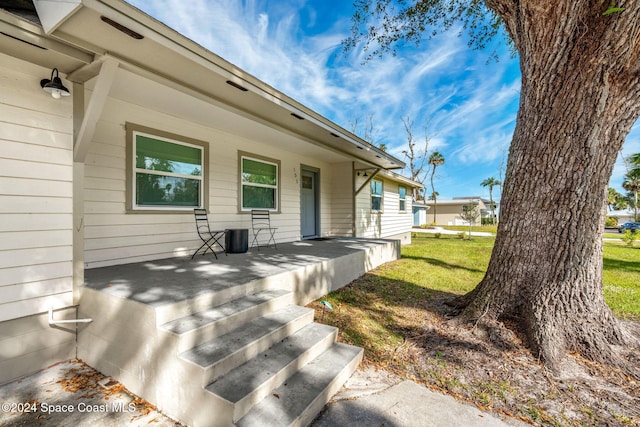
[[297, 116], [122, 28]]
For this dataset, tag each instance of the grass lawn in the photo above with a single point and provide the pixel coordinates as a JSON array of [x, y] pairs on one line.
[[621, 278], [397, 314]]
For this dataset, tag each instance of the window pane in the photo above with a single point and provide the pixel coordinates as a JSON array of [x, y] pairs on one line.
[[258, 172], [156, 190], [154, 154], [376, 188], [403, 192], [258, 197], [376, 203], [402, 205]]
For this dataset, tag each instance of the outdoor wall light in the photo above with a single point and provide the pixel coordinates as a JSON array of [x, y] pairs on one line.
[[54, 85]]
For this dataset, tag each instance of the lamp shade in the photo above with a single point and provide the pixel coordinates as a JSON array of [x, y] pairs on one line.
[[54, 85]]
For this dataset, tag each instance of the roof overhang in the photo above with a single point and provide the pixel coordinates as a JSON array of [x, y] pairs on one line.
[[86, 31], [399, 178]]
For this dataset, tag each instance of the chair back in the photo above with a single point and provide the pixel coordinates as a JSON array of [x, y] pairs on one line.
[[202, 221], [260, 218]]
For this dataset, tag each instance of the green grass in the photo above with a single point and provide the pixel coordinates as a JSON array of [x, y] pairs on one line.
[[484, 228], [395, 312], [448, 264], [621, 278], [613, 235]]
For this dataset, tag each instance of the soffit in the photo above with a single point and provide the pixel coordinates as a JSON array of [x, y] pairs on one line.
[[138, 90], [169, 58]]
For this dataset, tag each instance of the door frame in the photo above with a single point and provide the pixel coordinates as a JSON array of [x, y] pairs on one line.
[[316, 196]]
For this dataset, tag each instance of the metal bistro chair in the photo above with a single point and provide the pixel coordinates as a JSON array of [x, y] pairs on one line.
[[261, 222], [209, 238]]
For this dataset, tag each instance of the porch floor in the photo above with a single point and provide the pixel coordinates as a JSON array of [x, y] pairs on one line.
[[170, 280]]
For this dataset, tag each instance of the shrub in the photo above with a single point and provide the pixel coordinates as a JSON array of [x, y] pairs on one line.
[[437, 235], [629, 237], [461, 235], [611, 222]]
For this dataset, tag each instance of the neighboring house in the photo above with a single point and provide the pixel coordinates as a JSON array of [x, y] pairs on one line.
[[155, 125], [448, 210], [622, 216], [420, 213]]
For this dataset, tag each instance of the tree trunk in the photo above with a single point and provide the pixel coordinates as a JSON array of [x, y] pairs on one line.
[[579, 99]]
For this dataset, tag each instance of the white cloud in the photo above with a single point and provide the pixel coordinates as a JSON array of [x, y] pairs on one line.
[[464, 103]]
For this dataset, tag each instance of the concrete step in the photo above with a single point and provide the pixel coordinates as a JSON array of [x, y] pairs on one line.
[[218, 356], [298, 401], [251, 382], [216, 294], [196, 328]]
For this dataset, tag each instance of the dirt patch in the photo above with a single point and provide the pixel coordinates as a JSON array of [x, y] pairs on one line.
[[490, 368]]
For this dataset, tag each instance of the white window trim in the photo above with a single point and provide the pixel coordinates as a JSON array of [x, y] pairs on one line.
[[201, 178], [381, 196], [400, 199], [251, 184]]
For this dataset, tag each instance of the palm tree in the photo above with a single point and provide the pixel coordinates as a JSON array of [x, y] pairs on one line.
[[435, 159], [491, 182], [634, 159], [631, 183]]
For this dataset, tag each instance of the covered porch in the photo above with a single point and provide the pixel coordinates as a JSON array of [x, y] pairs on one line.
[[309, 268]]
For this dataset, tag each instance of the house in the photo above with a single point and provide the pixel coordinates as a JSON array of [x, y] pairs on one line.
[[447, 211], [139, 126], [420, 209], [383, 204], [622, 216]]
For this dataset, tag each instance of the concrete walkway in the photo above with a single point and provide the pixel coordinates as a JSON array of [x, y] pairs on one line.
[[70, 394], [376, 398]]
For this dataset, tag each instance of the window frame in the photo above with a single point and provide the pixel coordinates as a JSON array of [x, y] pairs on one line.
[[241, 184], [380, 196], [134, 130], [402, 201]]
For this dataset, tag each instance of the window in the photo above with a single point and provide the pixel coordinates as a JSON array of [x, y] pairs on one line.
[[376, 195], [259, 180], [168, 173], [402, 194]]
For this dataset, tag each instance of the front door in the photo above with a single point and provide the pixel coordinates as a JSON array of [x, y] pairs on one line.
[[309, 204]]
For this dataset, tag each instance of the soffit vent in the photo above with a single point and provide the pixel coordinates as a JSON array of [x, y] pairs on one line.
[[122, 28], [237, 86], [23, 41]]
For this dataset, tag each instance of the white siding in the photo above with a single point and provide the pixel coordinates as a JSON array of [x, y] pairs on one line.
[[390, 222], [339, 194], [36, 171], [114, 236]]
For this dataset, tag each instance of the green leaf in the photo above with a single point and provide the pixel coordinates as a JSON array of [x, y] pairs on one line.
[[612, 10]]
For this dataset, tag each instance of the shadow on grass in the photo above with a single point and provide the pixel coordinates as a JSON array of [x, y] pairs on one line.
[[617, 264], [383, 315], [439, 263]]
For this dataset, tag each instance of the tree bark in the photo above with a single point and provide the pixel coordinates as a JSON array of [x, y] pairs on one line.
[[580, 96]]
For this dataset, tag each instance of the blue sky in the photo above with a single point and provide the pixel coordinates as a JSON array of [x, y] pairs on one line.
[[465, 104]]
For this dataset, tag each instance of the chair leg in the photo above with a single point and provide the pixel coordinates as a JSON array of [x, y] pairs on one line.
[[216, 241], [208, 247], [272, 239], [254, 242]]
